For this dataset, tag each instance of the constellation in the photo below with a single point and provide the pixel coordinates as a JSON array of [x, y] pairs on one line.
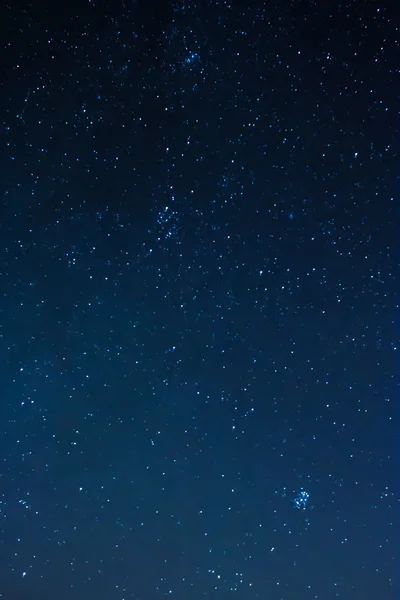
[[300, 501]]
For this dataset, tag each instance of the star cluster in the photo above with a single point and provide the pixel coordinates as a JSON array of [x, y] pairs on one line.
[[198, 301]]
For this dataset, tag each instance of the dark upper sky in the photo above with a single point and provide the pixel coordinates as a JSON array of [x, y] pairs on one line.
[[197, 301]]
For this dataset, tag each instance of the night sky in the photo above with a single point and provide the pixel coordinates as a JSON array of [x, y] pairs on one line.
[[198, 300]]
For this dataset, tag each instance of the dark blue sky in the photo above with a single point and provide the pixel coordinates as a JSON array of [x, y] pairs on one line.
[[198, 301]]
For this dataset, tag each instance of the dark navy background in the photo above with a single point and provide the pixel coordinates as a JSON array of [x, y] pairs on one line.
[[198, 301]]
